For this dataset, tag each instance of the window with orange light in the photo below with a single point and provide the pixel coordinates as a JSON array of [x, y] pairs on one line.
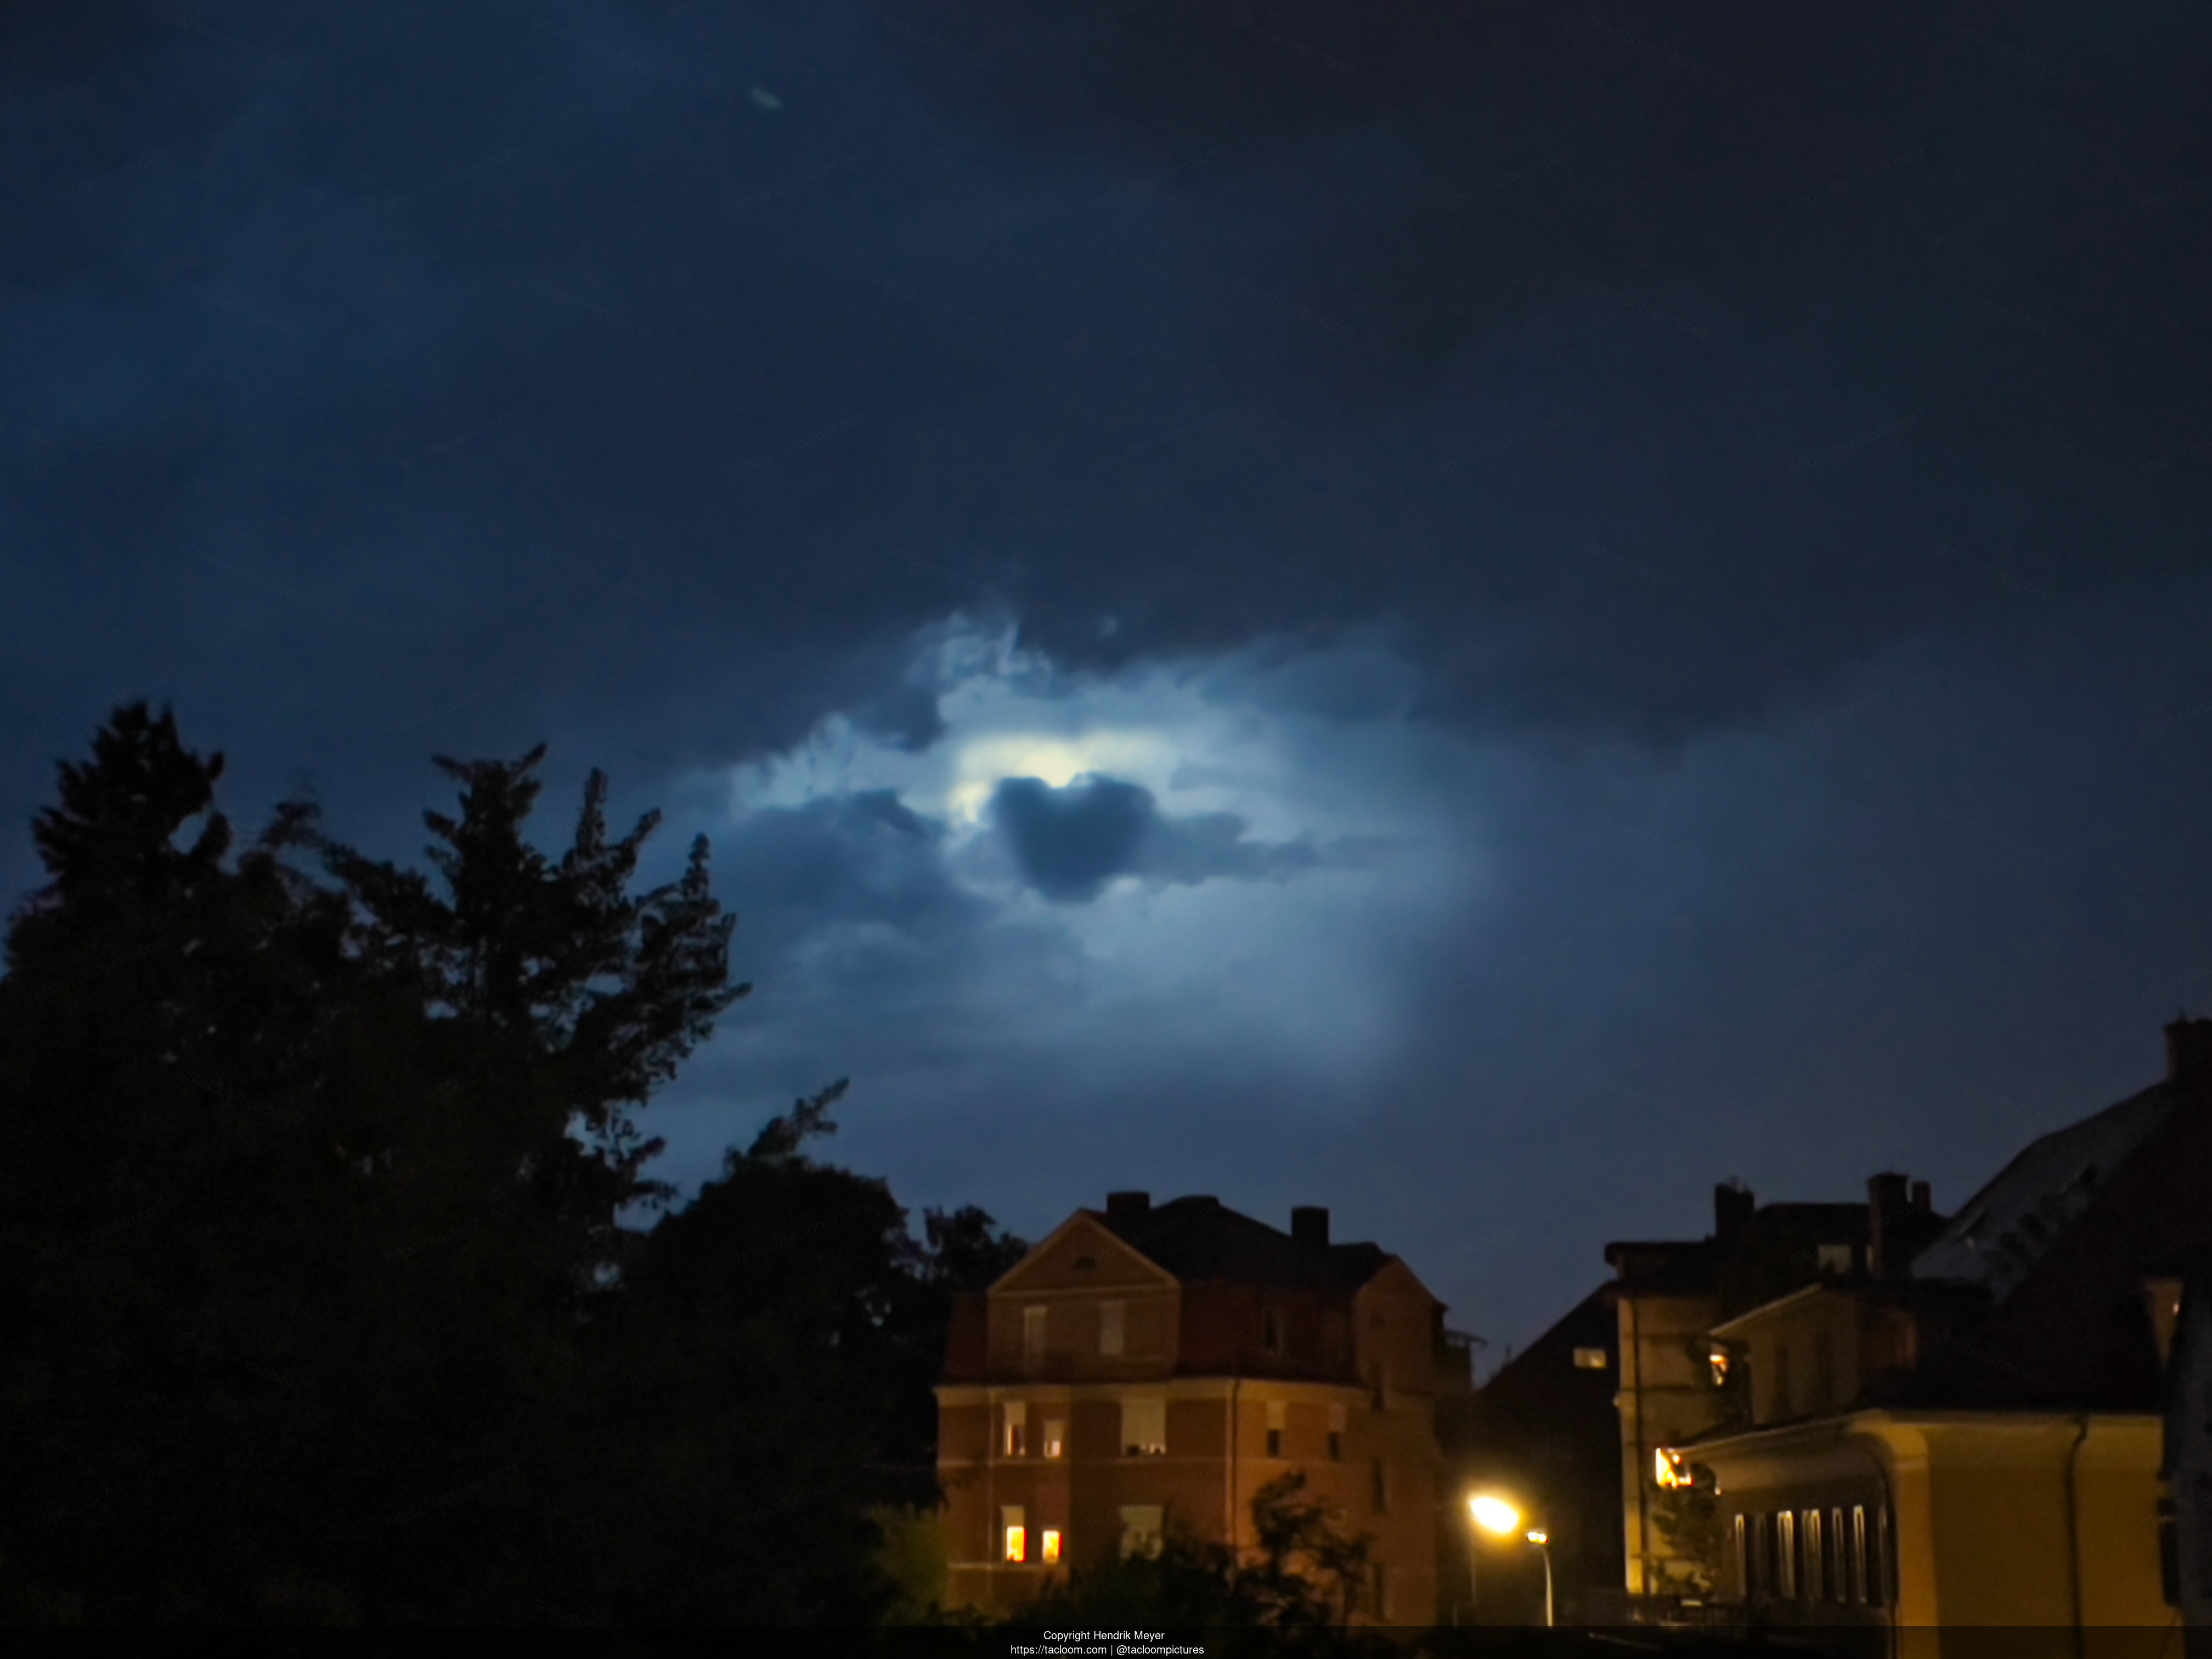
[[1049, 1544], [1011, 1519], [1669, 1469]]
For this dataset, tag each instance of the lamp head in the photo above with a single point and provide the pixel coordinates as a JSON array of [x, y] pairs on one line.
[[1494, 1514]]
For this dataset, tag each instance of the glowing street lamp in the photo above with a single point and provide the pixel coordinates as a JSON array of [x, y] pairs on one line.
[[1494, 1515], [1502, 1518], [1538, 1537]]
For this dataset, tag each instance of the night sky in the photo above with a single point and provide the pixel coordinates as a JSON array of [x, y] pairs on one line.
[[1483, 612]]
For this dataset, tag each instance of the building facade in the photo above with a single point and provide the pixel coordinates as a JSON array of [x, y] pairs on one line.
[[1971, 1433], [1145, 1368]]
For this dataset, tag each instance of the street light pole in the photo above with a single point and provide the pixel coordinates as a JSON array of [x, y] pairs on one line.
[[1544, 1549]]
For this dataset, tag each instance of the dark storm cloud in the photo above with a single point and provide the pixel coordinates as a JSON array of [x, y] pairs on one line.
[[1070, 844], [1750, 338], [1639, 372], [837, 861]]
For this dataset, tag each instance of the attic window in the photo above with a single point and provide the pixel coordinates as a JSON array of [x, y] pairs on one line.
[[1085, 1264], [1589, 1359], [1835, 1258]]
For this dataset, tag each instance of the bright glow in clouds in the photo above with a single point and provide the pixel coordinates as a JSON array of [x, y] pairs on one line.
[[1008, 714], [1249, 973]]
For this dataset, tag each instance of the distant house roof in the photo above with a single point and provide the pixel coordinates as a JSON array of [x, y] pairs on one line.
[[2004, 1230], [1200, 1238]]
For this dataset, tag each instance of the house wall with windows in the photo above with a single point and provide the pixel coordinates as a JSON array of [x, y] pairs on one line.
[[1964, 1521], [1099, 1396]]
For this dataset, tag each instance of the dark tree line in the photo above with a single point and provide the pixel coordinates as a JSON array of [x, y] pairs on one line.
[[315, 1305]]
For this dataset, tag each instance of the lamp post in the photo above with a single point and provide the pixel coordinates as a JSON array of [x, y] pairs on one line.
[[1502, 1518], [1537, 1537]]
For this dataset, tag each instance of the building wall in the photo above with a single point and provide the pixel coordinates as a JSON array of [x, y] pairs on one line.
[[1993, 1520], [1217, 1458], [1666, 1397]]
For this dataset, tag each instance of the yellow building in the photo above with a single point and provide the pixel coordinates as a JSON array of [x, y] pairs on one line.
[[1149, 1366], [1965, 1444]]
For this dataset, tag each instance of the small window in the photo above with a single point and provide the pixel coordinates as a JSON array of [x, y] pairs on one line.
[[1814, 1556], [1335, 1446], [1055, 1438], [1048, 1545], [1017, 1428], [1143, 1428], [1835, 1258], [1112, 1335], [1840, 1566], [1785, 1554], [1741, 1545], [1275, 1443], [1278, 1415], [1271, 1331], [1589, 1359], [1033, 1335], [1378, 1477], [1141, 1529], [1859, 1552], [1016, 1534]]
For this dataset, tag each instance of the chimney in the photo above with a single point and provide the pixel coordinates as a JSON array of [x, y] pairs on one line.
[[2189, 1051], [1310, 1223], [1886, 1201], [1123, 1207], [1733, 1207]]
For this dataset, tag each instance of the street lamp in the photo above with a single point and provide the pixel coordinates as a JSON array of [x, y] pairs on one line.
[[1537, 1537], [1502, 1518]]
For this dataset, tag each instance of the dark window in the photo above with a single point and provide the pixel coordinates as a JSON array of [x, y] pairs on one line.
[[1271, 1331], [1380, 1486], [1335, 1446], [1275, 1443]]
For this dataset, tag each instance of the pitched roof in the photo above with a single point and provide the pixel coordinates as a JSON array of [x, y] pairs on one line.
[[1199, 1238], [2004, 1231]]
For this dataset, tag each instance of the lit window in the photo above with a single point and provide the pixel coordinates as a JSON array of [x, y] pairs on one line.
[[1669, 1469], [1143, 1428], [1839, 1568], [1859, 1552], [1785, 1554], [1048, 1545], [1835, 1258], [1815, 1557], [1011, 1519], [1141, 1529], [1055, 1438], [1589, 1359], [1017, 1428], [1718, 1359], [1111, 1336]]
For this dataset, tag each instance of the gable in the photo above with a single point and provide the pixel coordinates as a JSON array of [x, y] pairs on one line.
[[1083, 1253], [1393, 1279]]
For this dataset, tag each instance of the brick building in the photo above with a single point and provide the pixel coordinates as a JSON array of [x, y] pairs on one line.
[[1146, 1367]]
